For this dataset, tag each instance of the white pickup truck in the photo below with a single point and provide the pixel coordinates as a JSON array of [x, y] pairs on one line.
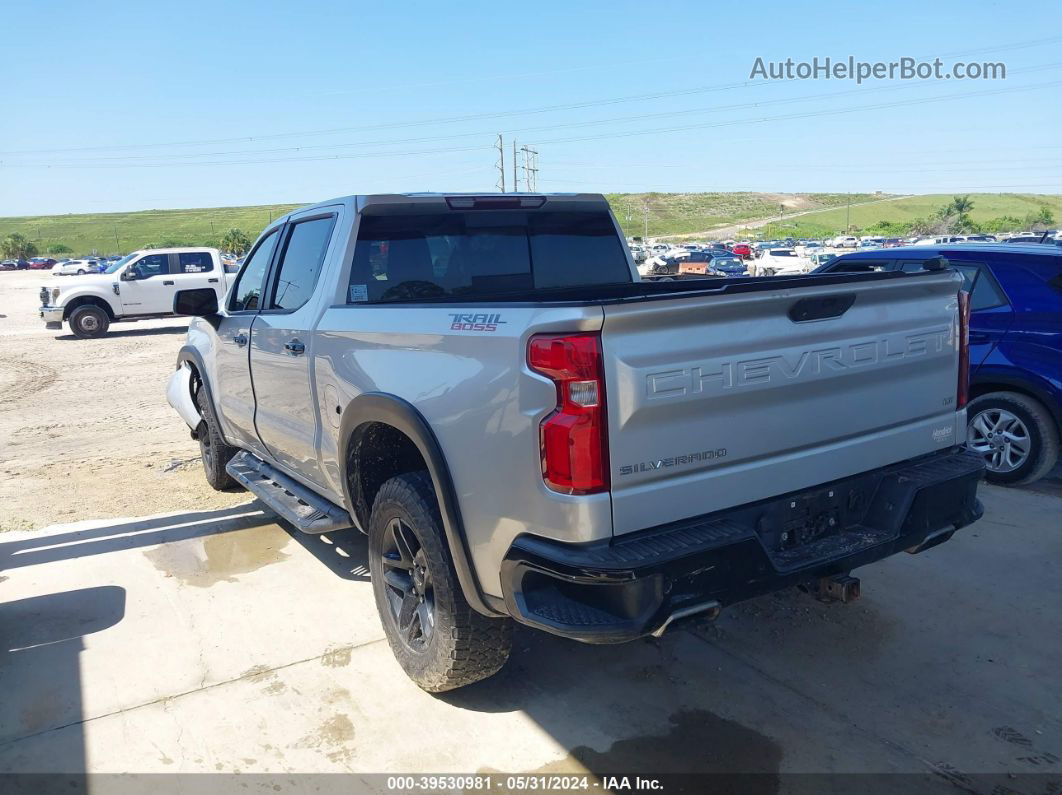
[[137, 287]]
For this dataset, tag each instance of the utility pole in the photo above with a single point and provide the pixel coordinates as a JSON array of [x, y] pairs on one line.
[[500, 165], [645, 215], [530, 168], [117, 245], [628, 212], [516, 184], [848, 215]]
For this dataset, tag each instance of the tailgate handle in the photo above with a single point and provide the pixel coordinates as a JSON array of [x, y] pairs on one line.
[[821, 308]]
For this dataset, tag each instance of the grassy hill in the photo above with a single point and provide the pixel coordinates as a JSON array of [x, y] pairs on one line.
[[986, 206], [118, 233], [808, 215], [686, 213]]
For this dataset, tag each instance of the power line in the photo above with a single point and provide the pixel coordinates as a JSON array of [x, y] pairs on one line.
[[472, 117], [598, 122]]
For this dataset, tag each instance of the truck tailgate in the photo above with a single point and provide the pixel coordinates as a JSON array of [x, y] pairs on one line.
[[717, 401]]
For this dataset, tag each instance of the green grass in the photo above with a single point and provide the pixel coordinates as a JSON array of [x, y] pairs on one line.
[[118, 233], [669, 214], [986, 206]]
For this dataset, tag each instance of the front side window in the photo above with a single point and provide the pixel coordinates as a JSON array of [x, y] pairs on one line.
[[195, 262], [151, 265], [247, 292], [482, 254], [301, 262]]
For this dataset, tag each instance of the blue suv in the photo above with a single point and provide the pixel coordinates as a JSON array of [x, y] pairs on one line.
[[1015, 410]]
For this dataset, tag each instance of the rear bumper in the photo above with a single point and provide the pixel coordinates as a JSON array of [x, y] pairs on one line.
[[633, 585]]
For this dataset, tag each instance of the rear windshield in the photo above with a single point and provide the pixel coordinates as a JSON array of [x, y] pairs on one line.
[[482, 254]]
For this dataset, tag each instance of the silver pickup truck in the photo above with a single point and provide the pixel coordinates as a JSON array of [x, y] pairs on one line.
[[526, 431]]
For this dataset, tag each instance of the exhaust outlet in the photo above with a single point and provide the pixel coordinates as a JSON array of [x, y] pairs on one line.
[[712, 609]]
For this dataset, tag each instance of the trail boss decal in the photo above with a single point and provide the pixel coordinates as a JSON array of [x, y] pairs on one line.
[[673, 461], [475, 322]]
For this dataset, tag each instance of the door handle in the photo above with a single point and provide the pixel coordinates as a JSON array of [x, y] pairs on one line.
[[212, 281], [169, 283], [295, 348], [240, 340]]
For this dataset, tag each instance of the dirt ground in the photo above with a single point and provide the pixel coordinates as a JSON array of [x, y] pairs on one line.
[[85, 430]]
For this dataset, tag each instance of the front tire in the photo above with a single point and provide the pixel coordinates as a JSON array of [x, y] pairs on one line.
[[88, 322], [1017, 436], [213, 450], [438, 639], [81, 272]]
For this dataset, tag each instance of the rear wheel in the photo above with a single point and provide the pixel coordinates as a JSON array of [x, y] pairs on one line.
[[213, 450], [89, 321], [438, 639], [1016, 435], [80, 271]]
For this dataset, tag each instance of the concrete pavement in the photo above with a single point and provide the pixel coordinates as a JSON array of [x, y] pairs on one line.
[[218, 641]]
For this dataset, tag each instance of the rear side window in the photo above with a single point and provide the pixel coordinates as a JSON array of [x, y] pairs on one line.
[[247, 292], [301, 261], [195, 262], [978, 281], [483, 254]]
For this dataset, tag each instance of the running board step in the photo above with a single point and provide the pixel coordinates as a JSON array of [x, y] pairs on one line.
[[309, 512]]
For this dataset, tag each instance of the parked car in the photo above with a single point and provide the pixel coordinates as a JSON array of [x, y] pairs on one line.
[[779, 261], [939, 240], [820, 258], [743, 250], [74, 267], [41, 263], [1015, 412], [528, 432], [139, 286], [14, 265], [1031, 238], [728, 266], [845, 241]]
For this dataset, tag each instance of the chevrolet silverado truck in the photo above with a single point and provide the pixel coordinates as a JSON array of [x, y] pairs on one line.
[[140, 286], [527, 432]]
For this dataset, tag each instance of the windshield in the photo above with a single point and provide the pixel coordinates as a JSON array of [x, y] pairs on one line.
[[116, 265]]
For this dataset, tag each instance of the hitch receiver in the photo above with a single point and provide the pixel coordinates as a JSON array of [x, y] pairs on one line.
[[839, 588]]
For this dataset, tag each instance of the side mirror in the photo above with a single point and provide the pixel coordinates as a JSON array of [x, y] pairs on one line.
[[129, 275], [195, 303]]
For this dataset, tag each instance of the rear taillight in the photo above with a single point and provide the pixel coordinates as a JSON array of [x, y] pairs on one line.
[[962, 392], [573, 438]]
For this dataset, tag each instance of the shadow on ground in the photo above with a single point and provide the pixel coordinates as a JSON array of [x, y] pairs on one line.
[[138, 332]]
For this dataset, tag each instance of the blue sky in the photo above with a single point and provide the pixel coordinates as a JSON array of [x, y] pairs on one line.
[[127, 106]]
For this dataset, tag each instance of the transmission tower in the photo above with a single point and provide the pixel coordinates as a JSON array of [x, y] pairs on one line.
[[500, 165], [530, 168]]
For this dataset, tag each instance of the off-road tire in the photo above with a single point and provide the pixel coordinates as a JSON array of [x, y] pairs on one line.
[[87, 322], [1043, 435], [465, 646], [213, 450]]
